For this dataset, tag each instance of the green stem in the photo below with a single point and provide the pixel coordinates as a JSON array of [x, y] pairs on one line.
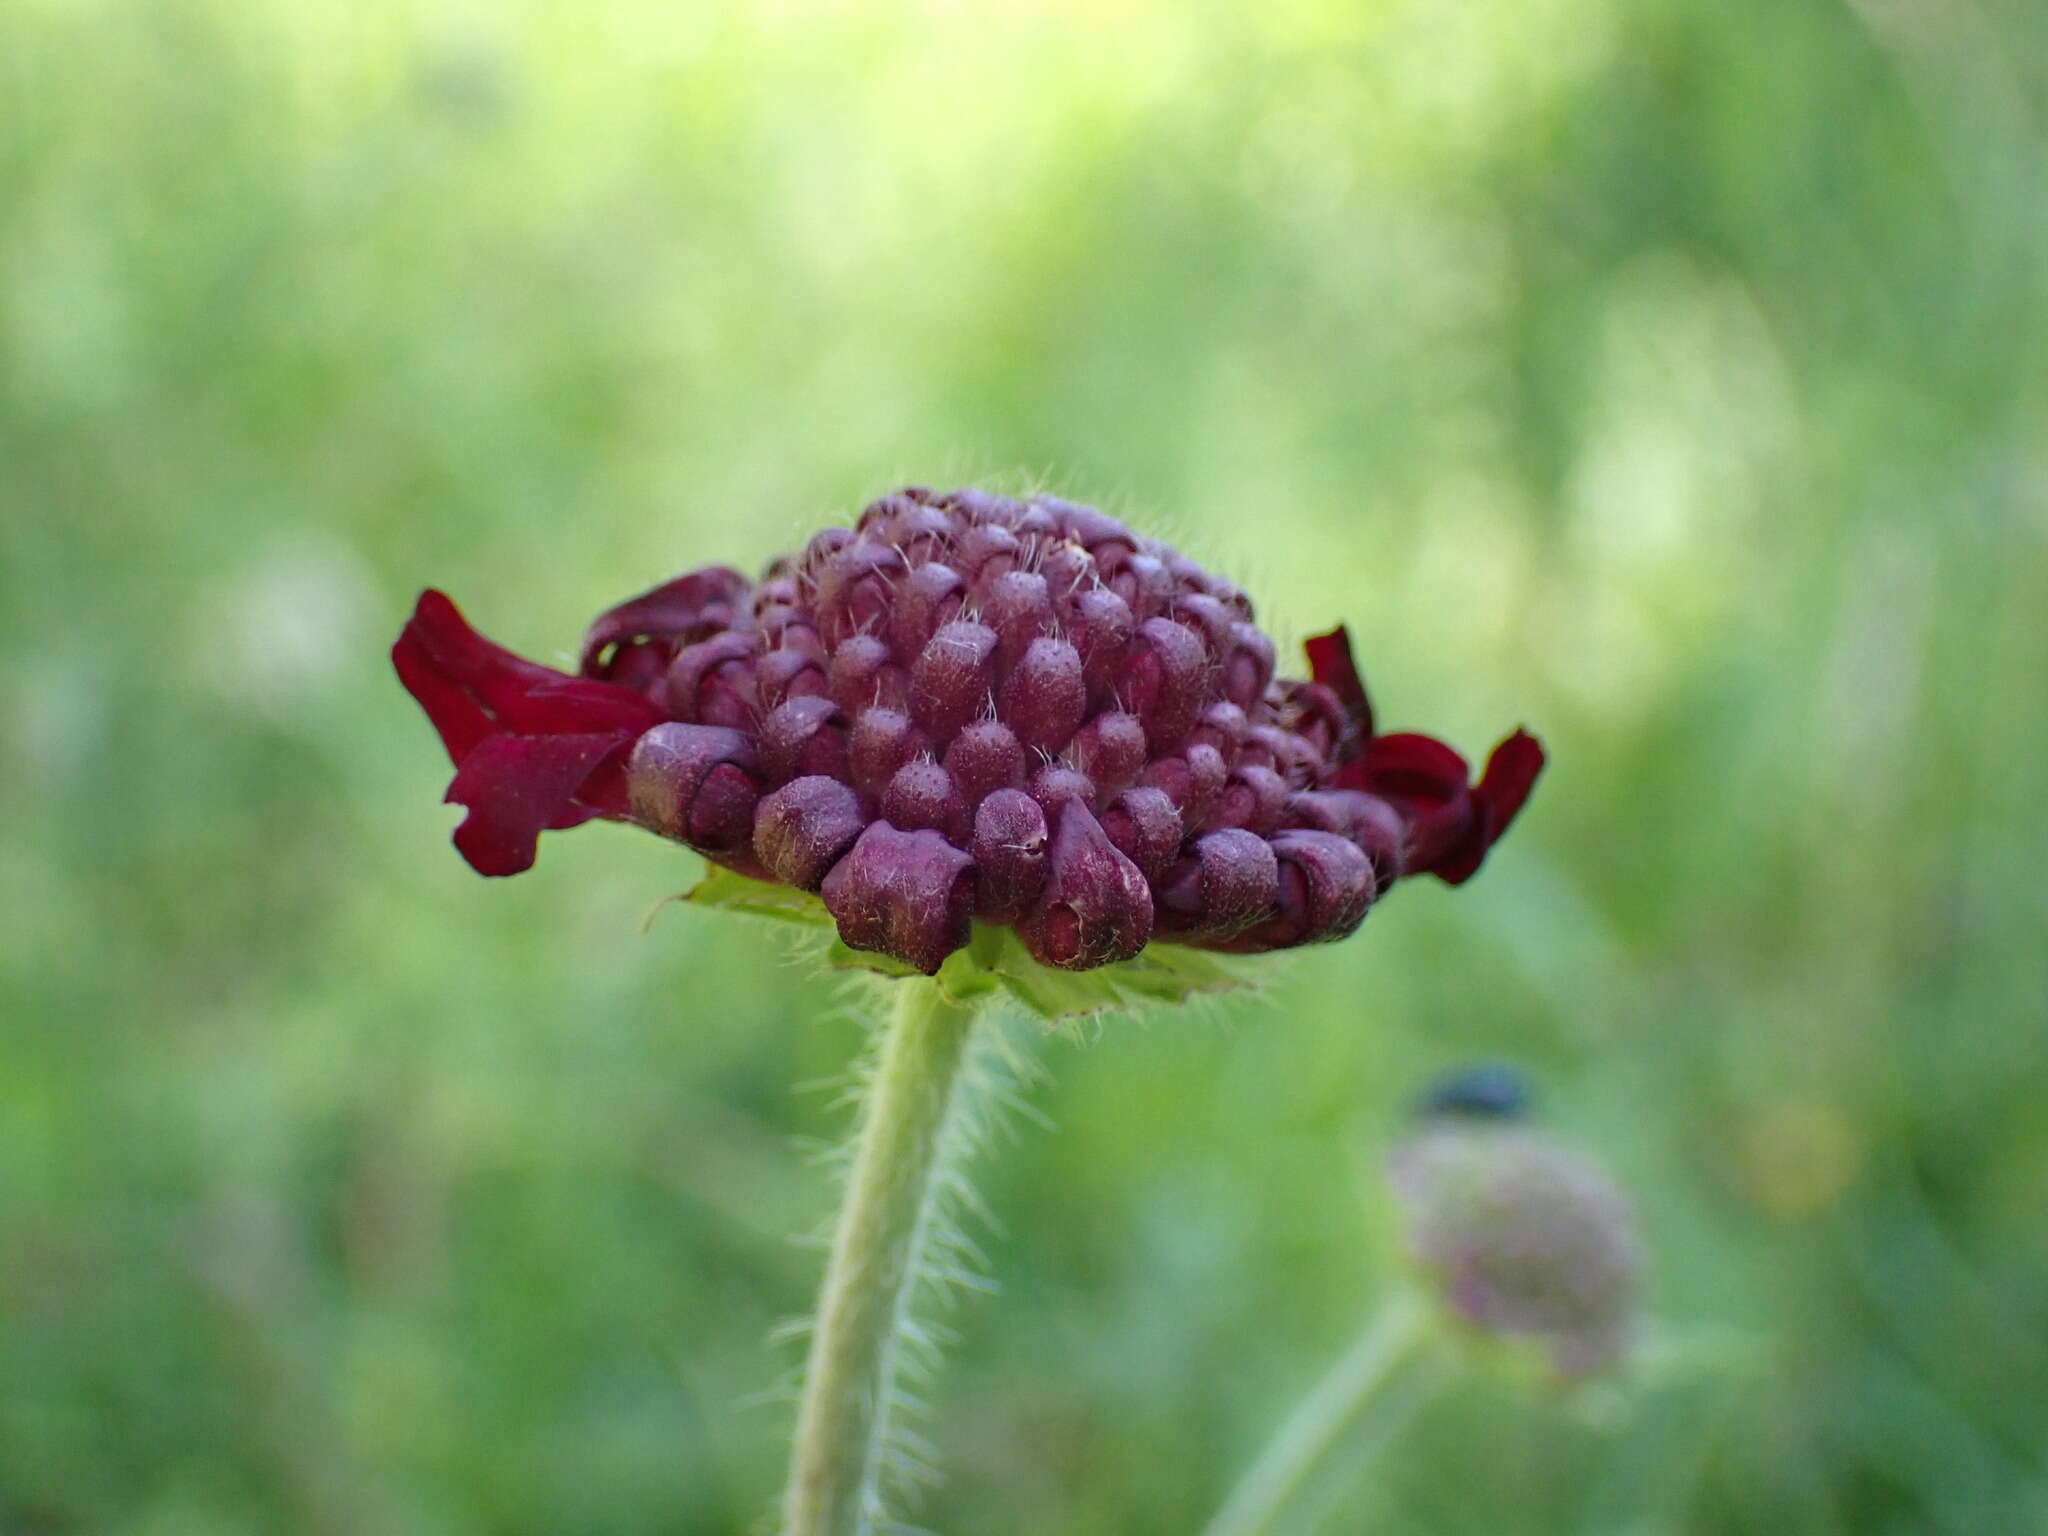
[[892, 1191], [1363, 1400]]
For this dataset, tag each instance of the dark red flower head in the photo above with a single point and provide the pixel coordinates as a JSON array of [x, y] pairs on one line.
[[969, 707]]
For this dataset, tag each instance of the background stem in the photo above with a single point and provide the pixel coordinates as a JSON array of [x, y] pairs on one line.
[[892, 1190], [1366, 1397]]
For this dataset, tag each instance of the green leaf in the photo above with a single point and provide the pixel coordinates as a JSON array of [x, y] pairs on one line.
[[839, 956], [729, 892], [1159, 973]]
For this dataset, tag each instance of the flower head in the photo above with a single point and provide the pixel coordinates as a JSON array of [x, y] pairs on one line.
[[1517, 1234], [968, 706]]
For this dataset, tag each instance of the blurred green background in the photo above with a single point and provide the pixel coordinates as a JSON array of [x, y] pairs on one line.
[[1668, 375]]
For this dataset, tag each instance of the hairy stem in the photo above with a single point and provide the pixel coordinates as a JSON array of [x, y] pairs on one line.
[[892, 1191], [1364, 1400]]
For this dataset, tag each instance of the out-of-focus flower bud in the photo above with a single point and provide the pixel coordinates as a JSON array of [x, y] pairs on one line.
[[1517, 1234]]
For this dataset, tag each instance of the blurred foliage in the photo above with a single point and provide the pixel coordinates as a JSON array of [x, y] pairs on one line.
[[1668, 375]]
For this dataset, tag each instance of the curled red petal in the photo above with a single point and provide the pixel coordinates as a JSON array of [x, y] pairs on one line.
[[1510, 774], [1409, 767], [472, 689], [1496, 800], [517, 786], [460, 721], [1330, 663], [689, 608], [458, 677]]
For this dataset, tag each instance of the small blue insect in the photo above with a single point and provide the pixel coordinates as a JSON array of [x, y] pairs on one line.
[[1490, 1090]]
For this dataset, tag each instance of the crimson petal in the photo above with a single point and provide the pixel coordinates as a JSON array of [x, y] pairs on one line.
[[517, 786], [689, 608], [1330, 663], [1496, 800]]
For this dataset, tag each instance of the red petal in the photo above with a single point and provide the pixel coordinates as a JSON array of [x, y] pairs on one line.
[[516, 786], [1510, 775], [472, 689], [687, 609], [455, 714], [1406, 766], [1330, 663]]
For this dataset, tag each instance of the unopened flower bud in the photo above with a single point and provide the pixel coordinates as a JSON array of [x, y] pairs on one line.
[[801, 830], [1095, 908], [906, 894], [1518, 1234]]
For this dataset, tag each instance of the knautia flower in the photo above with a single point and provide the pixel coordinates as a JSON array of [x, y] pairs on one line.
[[970, 707], [1516, 1233]]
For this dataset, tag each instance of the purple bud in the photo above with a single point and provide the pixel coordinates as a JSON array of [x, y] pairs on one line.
[[711, 682], [816, 559], [984, 506], [1044, 698], [1095, 908], [1019, 608], [801, 830], [1100, 626], [1144, 583], [1270, 746], [801, 737], [1036, 527], [984, 757], [670, 786], [1110, 749], [1378, 829], [909, 895], [1231, 595], [929, 596], [1192, 781], [854, 593], [883, 740], [782, 590], [1248, 665], [788, 674], [1055, 784], [1009, 854], [1255, 798], [1326, 886], [1317, 716], [1226, 882], [864, 673], [1318, 811], [952, 677], [921, 794], [1207, 618], [1146, 828], [1086, 526], [1221, 726], [1163, 672], [878, 518], [984, 552], [922, 534], [1066, 568], [790, 628]]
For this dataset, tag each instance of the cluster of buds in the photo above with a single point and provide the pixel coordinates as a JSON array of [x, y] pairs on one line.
[[969, 707], [1517, 1234]]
